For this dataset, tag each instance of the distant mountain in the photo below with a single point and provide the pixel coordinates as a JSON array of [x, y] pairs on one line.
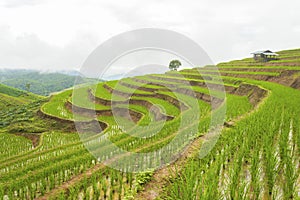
[[66, 72], [42, 83], [71, 73]]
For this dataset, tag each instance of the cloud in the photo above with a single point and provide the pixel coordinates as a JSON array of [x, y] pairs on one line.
[[61, 34], [29, 51], [226, 29], [19, 3]]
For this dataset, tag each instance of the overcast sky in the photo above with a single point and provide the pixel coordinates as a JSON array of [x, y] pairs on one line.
[[60, 34]]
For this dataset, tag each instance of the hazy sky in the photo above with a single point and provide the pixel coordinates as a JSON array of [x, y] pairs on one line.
[[60, 34]]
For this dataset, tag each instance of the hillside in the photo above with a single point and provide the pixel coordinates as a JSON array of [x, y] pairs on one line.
[[285, 70], [169, 123], [40, 83], [11, 97]]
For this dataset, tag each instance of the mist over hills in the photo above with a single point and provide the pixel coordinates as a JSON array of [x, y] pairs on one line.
[[41, 82]]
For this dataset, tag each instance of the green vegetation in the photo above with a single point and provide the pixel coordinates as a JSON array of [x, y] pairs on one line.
[[174, 65], [118, 87], [256, 155], [11, 91], [40, 83], [81, 98], [139, 84], [231, 153], [56, 107], [13, 145], [168, 108], [10, 97], [102, 92], [9, 101], [287, 58]]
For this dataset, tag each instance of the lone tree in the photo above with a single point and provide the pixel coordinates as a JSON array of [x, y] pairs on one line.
[[28, 85], [174, 65]]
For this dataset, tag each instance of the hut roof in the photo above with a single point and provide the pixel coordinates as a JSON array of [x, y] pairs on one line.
[[266, 52]]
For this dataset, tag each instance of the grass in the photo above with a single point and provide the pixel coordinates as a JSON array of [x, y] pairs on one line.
[[102, 92], [285, 57], [116, 86], [190, 76], [56, 107], [80, 98], [255, 158], [203, 71], [11, 97], [259, 133], [147, 117], [13, 145], [139, 84], [151, 80], [9, 101], [165, 106]]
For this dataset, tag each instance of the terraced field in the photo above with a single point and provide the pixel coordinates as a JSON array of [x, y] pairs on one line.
[[202, 133], [11, 97]]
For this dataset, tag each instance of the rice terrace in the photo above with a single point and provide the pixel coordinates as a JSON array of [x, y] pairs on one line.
[[96, 141]]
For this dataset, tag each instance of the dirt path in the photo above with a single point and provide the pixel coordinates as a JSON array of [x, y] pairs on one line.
[[161, 177], [34, 137], [71, 182], [99, 166], [95, 168]]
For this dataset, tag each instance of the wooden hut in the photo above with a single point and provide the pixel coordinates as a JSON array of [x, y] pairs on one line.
[[265, 56]]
